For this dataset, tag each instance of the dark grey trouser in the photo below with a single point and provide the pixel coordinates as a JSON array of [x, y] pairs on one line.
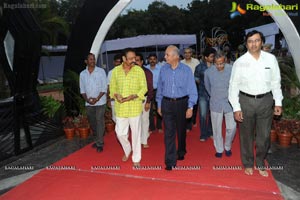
[[256, 126], [174, 113], [95, 116]]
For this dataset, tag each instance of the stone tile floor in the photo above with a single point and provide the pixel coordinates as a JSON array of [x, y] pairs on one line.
[[286, 160]]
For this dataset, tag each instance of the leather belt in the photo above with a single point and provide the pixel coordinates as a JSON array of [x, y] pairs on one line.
[[258, 96], [175, 99]]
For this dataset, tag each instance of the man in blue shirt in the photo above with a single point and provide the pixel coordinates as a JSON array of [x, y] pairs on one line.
[[216, 80], [176, 96], [205, 122], [93, 87], [155, 69]]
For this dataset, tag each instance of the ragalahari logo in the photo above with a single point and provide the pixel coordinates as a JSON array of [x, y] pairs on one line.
[[236, 10]]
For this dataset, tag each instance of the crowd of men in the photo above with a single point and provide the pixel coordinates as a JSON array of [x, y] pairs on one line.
[[166, 99]]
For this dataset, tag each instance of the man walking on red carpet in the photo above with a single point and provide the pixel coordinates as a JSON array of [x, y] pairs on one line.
[[216, 80], [176, 96], [128, 87], [254, 83], [93, 87]]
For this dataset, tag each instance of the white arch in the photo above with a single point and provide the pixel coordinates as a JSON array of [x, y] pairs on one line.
[[279, 16], [106, 24], [288, 29]]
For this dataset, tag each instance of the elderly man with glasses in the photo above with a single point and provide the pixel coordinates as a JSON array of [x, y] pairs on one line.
[[216, 80]]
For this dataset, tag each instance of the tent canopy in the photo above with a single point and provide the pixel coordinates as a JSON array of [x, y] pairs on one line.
[[147, 40]]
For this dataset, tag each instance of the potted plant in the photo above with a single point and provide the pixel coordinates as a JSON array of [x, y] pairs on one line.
[[285, 137], [83, 126], [51, 107], [77, 108], [69, 127], [109, 123]]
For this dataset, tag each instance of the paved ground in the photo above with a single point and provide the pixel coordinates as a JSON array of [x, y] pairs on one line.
[[287, 161]]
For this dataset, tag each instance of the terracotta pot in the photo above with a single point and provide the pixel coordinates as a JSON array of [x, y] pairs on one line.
[[273, 136], [285, 138], [84, 132], [77, 131], [69, 132], [109, 127]]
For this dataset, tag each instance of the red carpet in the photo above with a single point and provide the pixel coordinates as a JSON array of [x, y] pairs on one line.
[[201, 176]]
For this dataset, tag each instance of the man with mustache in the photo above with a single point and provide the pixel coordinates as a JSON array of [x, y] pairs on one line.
[[254, 84], [128, 87], [93, 87]]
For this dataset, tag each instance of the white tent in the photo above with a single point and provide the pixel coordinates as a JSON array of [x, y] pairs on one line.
[[268, 30], [148, 40], [154, 41]]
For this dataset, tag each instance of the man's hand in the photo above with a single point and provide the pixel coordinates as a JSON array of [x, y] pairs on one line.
[[147, 106], [92, 101], [132, 97], [277, 110], [119, 98], [159, 111], [189, 113], [129, 98], [238, 116]]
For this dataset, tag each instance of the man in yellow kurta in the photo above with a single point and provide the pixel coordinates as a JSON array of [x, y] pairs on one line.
[[128, 86]]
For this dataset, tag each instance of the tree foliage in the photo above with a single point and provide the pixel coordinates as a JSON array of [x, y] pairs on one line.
[[159, 18]]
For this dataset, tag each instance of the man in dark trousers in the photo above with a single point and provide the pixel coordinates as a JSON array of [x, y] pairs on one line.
[[254, 84], [93, 87], [176, 96]]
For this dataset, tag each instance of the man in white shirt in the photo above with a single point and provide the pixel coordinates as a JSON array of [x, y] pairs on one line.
[[93, 87], [254, 84], [189, 60]]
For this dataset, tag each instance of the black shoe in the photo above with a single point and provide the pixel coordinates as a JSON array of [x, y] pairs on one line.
[[228, 153], [180, 158], [99, 149], [169, 168], [218, 155], [94, 145]]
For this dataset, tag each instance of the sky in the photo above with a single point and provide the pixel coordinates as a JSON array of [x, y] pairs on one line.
[[143, 4]]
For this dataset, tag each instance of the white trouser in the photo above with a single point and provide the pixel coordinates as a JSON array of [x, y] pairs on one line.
[[122, 127], [113, 112], [216, 121], [145, 125]]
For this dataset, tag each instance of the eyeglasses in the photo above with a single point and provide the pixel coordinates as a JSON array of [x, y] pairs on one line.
[[254, 41], [187, 52]]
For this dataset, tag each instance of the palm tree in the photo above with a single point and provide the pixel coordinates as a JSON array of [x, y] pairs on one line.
[[52, 25]]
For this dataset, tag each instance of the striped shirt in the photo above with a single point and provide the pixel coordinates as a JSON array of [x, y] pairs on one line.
[[132, 83], [155, 71]]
